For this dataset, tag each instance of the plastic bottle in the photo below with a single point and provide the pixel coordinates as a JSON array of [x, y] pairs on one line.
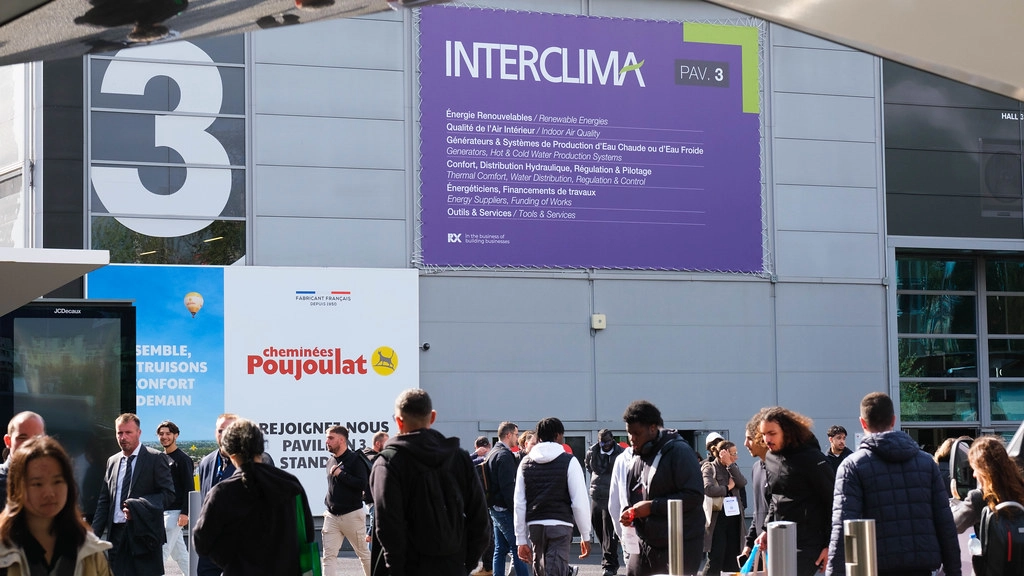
[[974, 545]]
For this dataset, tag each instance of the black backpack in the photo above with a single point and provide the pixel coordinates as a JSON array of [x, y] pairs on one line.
[[1002, 541], [483, 470], [365, 459], [435, 510]]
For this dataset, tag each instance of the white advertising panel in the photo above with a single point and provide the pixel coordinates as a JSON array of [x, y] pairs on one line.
[[307, 348]]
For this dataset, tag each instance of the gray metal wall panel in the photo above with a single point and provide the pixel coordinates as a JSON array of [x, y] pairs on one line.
[[523, 347], [782, 36], [693, 10], [823, 72], [828, 255], [826, 208], [830, 397], [800, 304], [494, 340], [663, 10], [683, 349], [825, 163], [329, 192], [833, 348], [825, 157], [321, 91], [355, 43], [696, 398], [329, 242], [328, 142], [550, 6], [817, 117], [505, 300], [682, 303], [524, 398]]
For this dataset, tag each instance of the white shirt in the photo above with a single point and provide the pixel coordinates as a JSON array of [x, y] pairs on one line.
[[618, 494], [119, 517]]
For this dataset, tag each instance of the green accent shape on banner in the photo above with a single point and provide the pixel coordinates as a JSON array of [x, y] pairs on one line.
[[747, 38]]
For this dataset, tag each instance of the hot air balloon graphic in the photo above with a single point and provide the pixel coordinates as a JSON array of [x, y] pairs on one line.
[[194, 302]]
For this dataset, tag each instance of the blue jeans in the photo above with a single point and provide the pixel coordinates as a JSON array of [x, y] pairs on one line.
[[505, 542]]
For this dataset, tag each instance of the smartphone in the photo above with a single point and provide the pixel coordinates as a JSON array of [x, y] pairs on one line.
[[741, 560]]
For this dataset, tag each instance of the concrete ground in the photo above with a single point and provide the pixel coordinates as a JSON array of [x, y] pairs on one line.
[[350, 566], [589, 566]]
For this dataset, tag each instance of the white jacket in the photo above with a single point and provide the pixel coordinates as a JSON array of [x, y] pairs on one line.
[[578, 492], [90, 560]]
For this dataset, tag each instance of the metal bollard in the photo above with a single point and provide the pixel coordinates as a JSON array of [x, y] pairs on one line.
[[675, 537], [860, 548], [781, 549], [195, 504]]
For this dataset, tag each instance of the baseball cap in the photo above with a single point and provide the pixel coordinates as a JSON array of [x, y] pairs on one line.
[[713, 437]]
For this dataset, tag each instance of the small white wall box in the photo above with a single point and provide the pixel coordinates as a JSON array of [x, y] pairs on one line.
[[598, 321]]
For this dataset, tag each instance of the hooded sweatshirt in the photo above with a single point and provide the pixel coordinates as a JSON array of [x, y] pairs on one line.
[[545, 453], [261, 496], [392, 480], [675, 477], [891, 480]]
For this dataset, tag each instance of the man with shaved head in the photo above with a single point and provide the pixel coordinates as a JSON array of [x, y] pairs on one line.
[[23, 426]]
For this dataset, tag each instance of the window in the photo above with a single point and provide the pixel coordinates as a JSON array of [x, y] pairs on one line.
[[960, 330], [167, 153]]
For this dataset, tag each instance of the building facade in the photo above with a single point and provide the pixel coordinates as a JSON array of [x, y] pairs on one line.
[[890, 235]]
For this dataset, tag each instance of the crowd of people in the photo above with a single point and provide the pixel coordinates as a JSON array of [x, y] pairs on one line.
[[438, 510]]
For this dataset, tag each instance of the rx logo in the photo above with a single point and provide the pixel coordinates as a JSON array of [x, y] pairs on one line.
[[454, 238]]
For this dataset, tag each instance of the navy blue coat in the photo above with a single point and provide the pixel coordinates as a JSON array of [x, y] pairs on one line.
[[891, 480]]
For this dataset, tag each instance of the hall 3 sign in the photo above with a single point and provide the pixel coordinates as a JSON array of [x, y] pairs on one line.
[[162, 147]]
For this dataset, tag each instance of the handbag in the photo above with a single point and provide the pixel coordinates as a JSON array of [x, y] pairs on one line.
[[309, 552], [751, 567], [711, 505]]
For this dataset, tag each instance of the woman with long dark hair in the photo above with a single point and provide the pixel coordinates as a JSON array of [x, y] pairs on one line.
[[999, 480], [248, 525], [41, 528]]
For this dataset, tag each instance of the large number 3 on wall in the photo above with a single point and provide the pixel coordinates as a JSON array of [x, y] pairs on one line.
[[205, 191]]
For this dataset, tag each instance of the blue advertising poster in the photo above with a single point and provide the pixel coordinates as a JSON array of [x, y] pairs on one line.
[[179, 367]]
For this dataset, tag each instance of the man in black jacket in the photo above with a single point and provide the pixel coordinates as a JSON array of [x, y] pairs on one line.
[[176, 514], [347, 478], [667, 469], [837, 450], [400, 546], [800, 483], [892, 481], [599, 462], [501, 475]]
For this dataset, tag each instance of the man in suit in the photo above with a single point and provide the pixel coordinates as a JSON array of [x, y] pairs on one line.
[[23, 426], [130, 508], [213, 468]]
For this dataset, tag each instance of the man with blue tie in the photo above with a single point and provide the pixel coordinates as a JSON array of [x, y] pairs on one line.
[[131, 502]]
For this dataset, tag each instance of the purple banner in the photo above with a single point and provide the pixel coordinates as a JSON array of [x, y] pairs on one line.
[[577, 142]]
